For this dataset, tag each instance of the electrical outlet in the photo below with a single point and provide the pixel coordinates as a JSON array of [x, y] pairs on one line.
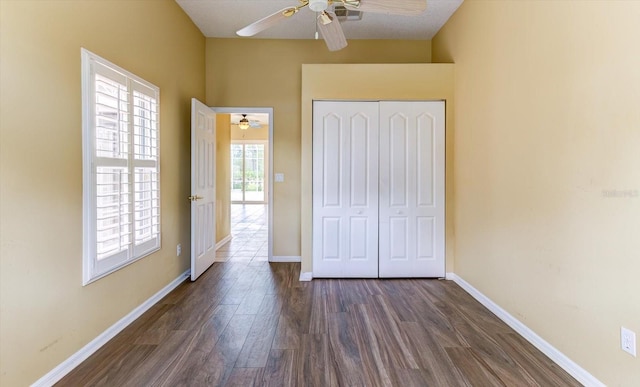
[[178, 249], [628, 341]]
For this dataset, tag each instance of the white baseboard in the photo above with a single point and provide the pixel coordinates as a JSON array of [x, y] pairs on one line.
[[285, 258], [223, 242], [74, 360], [306, 276], [579, 373]]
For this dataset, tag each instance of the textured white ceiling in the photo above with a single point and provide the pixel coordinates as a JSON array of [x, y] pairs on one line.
[[222, 18]]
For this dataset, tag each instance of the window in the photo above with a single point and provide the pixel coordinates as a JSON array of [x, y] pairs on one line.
[[248, 183], [121, 160]]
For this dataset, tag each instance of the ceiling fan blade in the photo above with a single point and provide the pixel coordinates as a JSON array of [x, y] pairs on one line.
[[332, 33], [267, 22], [392, 7]]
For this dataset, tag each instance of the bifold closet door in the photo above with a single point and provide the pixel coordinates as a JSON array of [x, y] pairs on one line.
[[345, 189], [411, 201]]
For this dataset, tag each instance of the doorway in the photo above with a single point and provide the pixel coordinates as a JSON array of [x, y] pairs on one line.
[[249, 173]]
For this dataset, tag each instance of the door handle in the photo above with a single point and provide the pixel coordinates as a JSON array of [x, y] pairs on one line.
[[358, 212], [195, 198]]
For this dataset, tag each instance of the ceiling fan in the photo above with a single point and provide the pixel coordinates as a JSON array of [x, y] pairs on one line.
[[244, 123], [327, 21]]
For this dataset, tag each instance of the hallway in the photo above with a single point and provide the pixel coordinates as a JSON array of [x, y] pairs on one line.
[[250, 232]]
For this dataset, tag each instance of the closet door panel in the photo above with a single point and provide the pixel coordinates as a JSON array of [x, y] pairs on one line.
[[396, 151], [425, 226], [332, 160], [345, 189], [426, 152], [411, 168]]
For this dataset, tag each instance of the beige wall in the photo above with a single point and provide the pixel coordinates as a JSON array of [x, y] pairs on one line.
[[47, 315], [223, 176], [270, 76], [258, 134], [547, 169], [374, 82]]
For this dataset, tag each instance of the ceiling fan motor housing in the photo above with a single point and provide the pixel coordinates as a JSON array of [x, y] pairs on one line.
[[318, 5]]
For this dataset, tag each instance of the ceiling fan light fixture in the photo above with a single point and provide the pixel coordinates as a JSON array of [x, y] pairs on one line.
[[244, 123], [318, 5]]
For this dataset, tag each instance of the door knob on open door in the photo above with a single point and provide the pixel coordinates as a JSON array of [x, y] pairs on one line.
[[194, 198]]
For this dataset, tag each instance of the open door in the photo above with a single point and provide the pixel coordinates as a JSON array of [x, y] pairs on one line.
[[203, 188]]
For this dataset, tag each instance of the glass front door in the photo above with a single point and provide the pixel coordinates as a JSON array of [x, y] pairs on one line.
[[248, 183]]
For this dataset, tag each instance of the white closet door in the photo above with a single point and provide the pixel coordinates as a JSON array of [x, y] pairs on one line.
[[345, 189], [412, 189]]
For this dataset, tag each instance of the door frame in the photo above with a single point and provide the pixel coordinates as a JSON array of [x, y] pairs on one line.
[[269, 111], [362, 82], [267, 182]]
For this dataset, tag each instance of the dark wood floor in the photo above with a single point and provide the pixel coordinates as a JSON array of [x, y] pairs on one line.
[[254, 323]]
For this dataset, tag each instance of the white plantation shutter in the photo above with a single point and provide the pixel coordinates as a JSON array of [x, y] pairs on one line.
[[121, 167], [145, 162]]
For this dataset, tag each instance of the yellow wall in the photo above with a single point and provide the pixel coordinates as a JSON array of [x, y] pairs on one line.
[[223, 176], [47, 315], [373, 82], [547, 169], [268, 73], [258, 134]]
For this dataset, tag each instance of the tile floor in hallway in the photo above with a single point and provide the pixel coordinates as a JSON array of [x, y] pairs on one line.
[[249, 230]]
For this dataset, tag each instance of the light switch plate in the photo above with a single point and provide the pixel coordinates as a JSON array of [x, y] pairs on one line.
[[279, 177]]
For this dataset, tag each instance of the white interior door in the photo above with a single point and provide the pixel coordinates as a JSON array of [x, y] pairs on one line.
[[345, 189], [203, 188], [412, 189]]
